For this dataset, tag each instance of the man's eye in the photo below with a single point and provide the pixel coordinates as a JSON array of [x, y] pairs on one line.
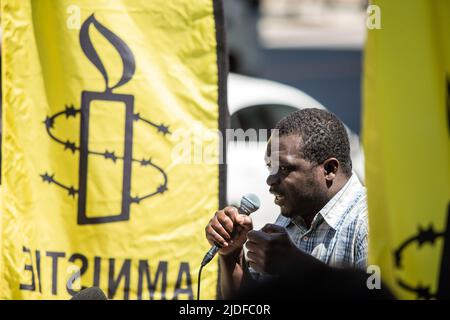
[[285, 169]]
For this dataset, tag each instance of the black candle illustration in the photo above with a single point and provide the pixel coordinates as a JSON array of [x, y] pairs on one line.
[[124, 159], [87, 98]]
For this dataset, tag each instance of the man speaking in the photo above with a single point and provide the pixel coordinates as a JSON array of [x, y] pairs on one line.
[[323, 207]]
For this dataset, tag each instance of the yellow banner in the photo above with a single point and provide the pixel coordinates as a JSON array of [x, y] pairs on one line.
[[406, 141], [101, 102]]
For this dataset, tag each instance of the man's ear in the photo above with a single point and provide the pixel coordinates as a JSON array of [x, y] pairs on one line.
[[330, 167]]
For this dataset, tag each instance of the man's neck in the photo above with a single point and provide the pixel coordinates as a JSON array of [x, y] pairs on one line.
[[309, 217], [340, 181], [332, 191], [308, 220]]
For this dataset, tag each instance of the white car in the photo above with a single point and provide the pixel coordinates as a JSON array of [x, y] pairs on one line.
[[260, 104]]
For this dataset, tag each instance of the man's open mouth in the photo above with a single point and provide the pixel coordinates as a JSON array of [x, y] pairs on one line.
[[279, 199]]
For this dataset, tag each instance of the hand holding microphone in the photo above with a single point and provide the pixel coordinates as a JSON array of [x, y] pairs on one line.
[[227, 230]]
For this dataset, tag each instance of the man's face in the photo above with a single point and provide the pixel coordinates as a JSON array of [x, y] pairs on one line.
[[294, 181]]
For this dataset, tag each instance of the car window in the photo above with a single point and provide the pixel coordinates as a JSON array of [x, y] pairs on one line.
[[262, 116]]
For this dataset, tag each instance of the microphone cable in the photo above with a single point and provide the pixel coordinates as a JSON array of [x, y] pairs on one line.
[[208, 257], [198, 281]]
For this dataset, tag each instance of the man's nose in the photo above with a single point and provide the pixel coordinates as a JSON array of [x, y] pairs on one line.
[[272, 179]]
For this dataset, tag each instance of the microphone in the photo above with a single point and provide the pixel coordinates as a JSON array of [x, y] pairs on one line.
[[249, 203], [92, 293]]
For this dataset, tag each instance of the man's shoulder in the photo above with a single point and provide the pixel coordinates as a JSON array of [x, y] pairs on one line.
[[357, 210], [354, 228], [357, 196]]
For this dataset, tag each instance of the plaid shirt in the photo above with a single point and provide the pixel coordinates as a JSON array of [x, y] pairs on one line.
[[338, 234]]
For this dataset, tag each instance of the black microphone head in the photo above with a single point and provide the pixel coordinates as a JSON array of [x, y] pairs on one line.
[[249, 203], [92, 293]]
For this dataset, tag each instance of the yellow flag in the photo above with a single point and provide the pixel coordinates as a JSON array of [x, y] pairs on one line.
[[406, 140], [111, 152]]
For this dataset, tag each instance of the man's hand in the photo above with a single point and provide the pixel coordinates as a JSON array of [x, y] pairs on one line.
[[228, 229], [272, 251]]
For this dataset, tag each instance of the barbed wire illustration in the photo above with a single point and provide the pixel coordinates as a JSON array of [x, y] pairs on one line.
[[423, 236], [71, 111]]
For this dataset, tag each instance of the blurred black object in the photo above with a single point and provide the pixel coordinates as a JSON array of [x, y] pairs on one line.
[[319, 282], [93, 293]]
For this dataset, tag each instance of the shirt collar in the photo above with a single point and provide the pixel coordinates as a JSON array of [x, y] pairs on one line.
[[333, 211]]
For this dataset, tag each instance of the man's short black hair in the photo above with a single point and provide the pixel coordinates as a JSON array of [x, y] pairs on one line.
[[323, 136]]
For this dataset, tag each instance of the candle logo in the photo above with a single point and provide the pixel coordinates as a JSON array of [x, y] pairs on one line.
[[120, 159]]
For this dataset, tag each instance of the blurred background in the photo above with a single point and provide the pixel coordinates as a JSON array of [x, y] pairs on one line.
[[312, 45]]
